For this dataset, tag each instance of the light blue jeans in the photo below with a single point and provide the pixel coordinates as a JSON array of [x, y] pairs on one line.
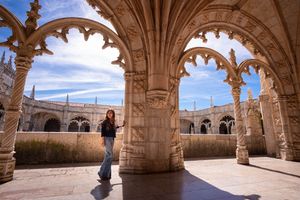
[[105, 169]]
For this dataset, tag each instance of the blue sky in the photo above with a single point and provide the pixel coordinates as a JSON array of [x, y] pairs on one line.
[[83, 70]]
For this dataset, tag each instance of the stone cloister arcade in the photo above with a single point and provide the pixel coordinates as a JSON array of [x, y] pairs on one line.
[[151, 37]]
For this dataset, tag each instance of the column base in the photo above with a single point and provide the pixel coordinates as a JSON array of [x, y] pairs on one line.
[[7, 168], [286, 154], [242, 156], [132, 160], [176, 159]]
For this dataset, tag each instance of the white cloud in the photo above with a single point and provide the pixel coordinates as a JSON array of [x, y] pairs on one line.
[[81, 93], [78, 65], [75, 63], [75, 8], [80, 52]]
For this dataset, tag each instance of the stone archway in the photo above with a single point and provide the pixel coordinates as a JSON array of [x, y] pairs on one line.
[[264, 46], [185, 126], [226, 124], [39, 120], [205, 126], [28, 41], [79, 124], [52, 125], [235, 80]]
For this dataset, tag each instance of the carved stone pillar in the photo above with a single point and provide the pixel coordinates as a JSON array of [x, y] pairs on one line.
[[157, 126], [266, 111], [176, 155], [241, 151], [7, 161], [132, 155], [293, 113], [287, 152]]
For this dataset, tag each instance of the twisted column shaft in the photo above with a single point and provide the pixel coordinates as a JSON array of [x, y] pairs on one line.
[[236, 91], [241, 151], [23, 64]]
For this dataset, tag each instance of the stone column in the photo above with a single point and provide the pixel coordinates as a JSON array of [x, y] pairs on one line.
[[286, 152], [176, 155], [293, 113], [7, 161], [132, 155], [157, 124], [266, 111], [241, 151]]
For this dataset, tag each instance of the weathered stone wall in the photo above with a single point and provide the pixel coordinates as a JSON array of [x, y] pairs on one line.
[[214, 145], [66, 147], [60, 147]]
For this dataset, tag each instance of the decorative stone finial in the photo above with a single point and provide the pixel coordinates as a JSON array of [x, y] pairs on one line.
[[32, 95], [33, 16], [232, 58], [96, 100], [250, 95], [211, 102], [9, 63], [194, 105], [67, 100]]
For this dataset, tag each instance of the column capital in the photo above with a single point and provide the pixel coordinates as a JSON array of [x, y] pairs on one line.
[[23, 63], [236, 91]]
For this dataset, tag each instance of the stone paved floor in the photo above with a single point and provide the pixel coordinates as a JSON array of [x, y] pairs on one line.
[[266, 178]]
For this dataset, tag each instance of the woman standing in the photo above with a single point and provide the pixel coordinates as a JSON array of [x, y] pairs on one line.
[[108, 134]]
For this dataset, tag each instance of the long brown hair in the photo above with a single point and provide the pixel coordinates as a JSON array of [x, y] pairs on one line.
[[113, 117]]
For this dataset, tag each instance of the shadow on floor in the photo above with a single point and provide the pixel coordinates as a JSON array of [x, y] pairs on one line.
[[168, 186], [102, 190], [273, 170]]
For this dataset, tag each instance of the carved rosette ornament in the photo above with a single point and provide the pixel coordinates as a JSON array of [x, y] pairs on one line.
[[157, 99]]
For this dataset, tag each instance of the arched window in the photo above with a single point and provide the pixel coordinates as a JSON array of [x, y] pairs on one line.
[[79, 124], [226, 124], [185, 126], [52, 125], [205, 125]]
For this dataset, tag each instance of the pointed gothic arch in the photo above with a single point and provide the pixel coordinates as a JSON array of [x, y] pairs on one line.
[[205, 126], [226, 124], [79, 124], [261, 43], [52, 125], [9, 20]]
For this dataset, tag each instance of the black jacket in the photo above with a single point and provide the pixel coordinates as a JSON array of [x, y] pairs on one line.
[[108, 129]]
